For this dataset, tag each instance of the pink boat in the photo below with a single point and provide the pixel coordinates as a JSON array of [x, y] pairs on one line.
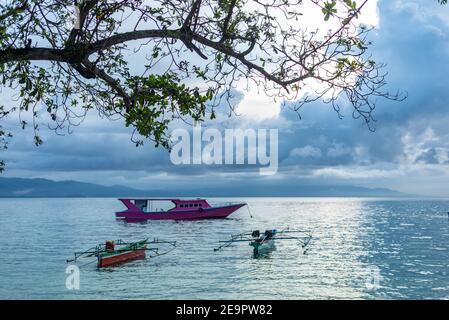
[[174, 209]]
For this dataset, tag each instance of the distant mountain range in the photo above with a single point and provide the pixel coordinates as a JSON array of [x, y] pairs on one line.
[[20, 187]]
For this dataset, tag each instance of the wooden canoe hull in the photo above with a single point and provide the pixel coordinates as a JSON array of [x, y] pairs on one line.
[[264, 247], [120, 258]]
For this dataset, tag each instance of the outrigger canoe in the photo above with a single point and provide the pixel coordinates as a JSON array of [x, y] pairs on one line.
[[263, 243], [114, 253], [115, 256], [174, 209]]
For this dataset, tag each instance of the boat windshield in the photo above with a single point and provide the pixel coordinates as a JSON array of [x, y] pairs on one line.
[[154, 205]]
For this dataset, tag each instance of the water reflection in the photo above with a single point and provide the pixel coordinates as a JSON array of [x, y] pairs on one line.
[[361, 248]]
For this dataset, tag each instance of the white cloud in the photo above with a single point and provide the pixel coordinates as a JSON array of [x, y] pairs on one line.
[[354, 172], [338, 150], [306, 152], [258, 105]]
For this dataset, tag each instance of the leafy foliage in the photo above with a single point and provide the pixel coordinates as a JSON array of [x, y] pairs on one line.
[[194, 49]]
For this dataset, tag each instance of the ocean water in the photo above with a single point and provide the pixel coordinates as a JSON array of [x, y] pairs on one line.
[[362, 249]]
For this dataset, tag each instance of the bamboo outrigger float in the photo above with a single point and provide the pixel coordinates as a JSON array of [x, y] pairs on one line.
[[264, 242], [114, 253]]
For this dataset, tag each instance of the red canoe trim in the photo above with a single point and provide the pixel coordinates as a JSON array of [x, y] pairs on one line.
[[120, 258]]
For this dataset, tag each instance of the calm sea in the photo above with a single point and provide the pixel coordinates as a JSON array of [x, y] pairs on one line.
[[362, 249]]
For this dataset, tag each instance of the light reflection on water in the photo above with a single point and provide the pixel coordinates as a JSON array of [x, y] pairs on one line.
[[406, 240]]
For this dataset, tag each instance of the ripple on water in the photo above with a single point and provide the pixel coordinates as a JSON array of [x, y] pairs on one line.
[[362, 249]]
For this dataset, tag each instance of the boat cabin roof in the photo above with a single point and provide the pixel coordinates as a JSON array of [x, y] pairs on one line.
[[142, 198]]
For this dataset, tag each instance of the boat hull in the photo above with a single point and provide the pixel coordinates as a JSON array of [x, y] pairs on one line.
[[208, 213], [120, 258], [264, 247]]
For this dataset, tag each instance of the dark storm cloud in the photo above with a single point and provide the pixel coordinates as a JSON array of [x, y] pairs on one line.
[[429, 157], [100, 144], [415, 45]]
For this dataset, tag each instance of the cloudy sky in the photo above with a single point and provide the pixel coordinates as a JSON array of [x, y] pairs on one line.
[[408, 152]]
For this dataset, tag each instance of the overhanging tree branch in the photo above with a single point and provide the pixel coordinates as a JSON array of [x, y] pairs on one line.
[[113, 83], [240, 43]]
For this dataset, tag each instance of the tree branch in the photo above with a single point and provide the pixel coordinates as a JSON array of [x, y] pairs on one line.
[[239, 56], [85, 7], [22, 54], [132, 35], [194, 11], [227, 20], [113, 83]]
